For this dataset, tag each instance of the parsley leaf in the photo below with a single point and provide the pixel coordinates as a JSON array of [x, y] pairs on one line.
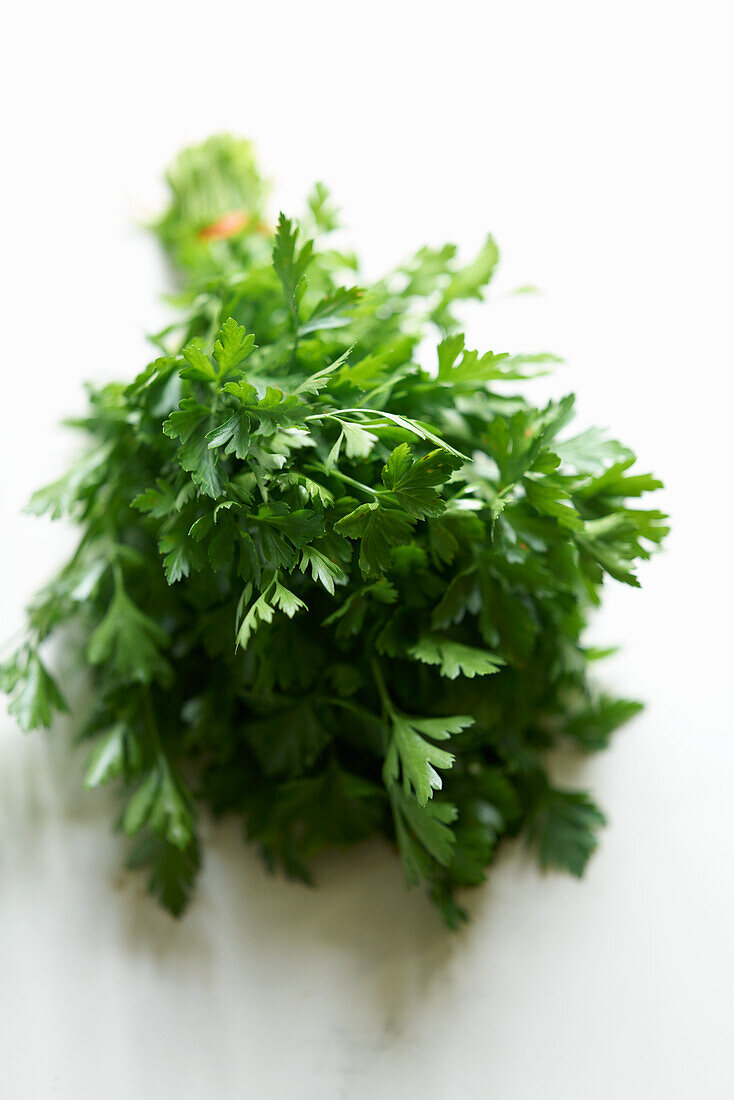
[[564, 827], [379, 529], [290, 264], [129, 642], [410, 483], [34, 694], [416, 758], [454, 658]]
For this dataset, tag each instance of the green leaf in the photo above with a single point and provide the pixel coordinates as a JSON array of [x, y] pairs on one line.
[[323, 569], [180, 554], [331, 311], [233, 345], [550, 498], [454, 658], [140, 806], [190, 424], [374, 368], [289, 742], [233, 434], [159, 501], [410, 482], [415, 759], [590, 452], [448, 351], [162, 803], [350, 616], [286, 601], [419, 429], [173, 870], [321, 379], [358, 442], [592, 726], [615, 484], [189, 416], [564, 828], [290, 264], [260, 612], [170, 814], [423, 834], [129, 643], [114, 752], [322, 209], [472, 369], [199, 367], [380, 529], [34, 693], [470, 281], [63, 497], [313, 490], [273, 411], [299, 526]]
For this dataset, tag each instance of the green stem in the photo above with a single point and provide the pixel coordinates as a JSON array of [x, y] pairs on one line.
[[382, 689], [152, 725], [321, 468]]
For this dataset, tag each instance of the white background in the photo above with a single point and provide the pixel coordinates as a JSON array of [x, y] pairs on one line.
[[594, 141]]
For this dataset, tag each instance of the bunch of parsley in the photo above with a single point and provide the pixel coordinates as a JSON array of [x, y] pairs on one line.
[[333, 574]]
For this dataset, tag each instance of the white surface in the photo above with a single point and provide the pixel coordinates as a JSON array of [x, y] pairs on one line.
[[594, 141]]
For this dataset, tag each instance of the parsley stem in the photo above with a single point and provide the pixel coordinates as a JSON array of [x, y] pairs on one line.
[[380, 685], [321, 468], [151, 723]]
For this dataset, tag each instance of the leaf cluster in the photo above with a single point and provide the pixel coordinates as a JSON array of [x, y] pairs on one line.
[[327, 580]]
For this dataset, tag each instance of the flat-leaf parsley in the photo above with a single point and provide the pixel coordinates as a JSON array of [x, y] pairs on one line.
[[330, 580]]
